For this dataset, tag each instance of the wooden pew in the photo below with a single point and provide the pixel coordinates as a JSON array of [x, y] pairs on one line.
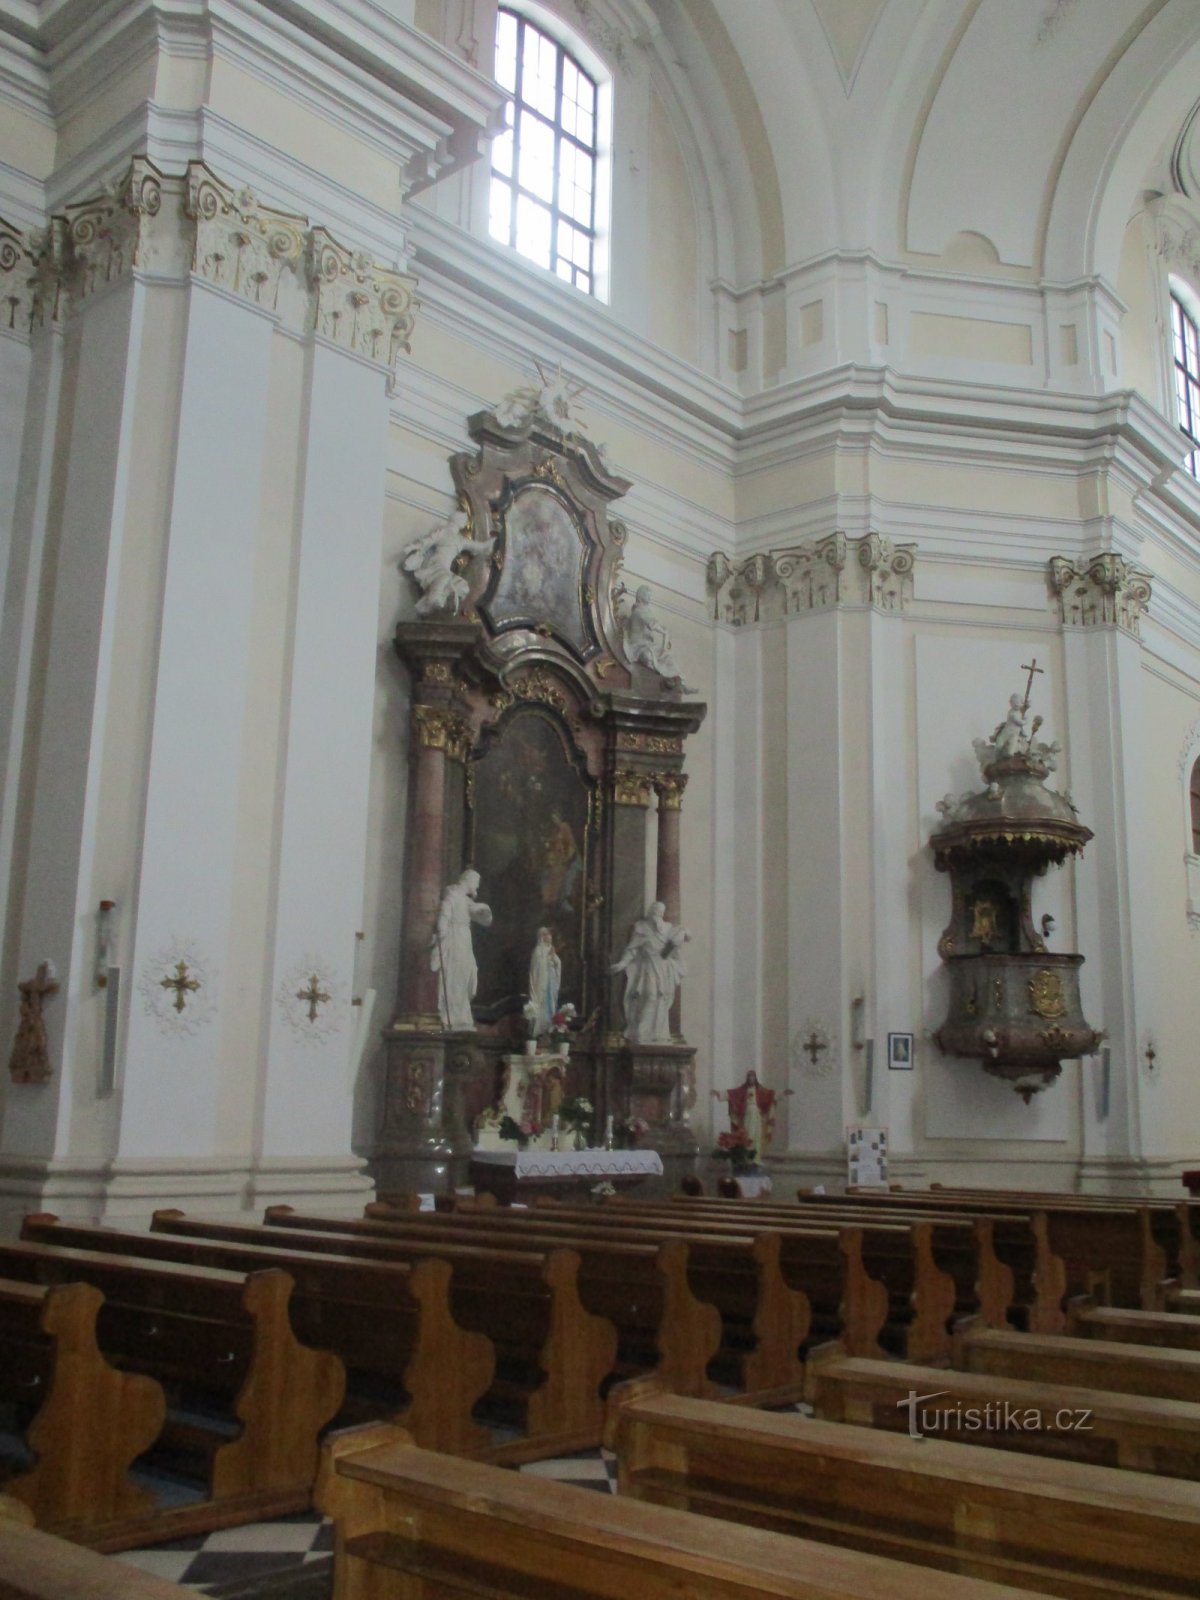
[[1060, 1527], [1113, 1252], [640, 1288], [886, 1293], [81, 1422], [1078, 1424], [552, 1354], [390, 1323], [1083, 1363], [762, 1323], [992, 1280], [1168, 1330], [246, 1400], [38, 1566], [410, 1522], [1176, 1223]]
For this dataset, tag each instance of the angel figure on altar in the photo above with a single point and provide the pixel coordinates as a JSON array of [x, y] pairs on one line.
[[653, 965], [430, 559], [752, 1106]]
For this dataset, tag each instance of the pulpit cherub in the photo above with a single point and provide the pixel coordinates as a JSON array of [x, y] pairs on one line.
[[430, 559]]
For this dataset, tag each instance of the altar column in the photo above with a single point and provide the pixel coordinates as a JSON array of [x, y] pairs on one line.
[[669, 787]]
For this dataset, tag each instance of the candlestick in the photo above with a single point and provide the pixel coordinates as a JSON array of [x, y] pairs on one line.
[[608, 1132]]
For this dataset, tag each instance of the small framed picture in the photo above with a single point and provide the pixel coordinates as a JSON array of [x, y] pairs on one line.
[[900, 1052]]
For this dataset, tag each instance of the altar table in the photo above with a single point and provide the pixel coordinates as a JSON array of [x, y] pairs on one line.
[[512, 1174]]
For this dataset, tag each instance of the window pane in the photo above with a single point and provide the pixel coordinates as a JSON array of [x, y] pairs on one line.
[[539, 85], [583, 281], [563, 268], [500, 211], [533, 230], [502, 154], [506, 50], [537, 156]]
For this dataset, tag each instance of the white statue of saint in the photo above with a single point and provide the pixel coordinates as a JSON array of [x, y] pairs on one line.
[[545, 975], [1009, 734], [453, 955], [653, 968], [431, 557], [646, 640]]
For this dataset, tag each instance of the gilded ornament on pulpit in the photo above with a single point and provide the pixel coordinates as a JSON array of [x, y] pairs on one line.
[[1046, 996]]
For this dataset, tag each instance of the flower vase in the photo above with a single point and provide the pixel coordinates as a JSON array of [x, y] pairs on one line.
[[564, 1049], [531, 1047]]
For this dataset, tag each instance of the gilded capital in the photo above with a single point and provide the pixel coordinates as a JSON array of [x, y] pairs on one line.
[[438, 729], [631, 788], [670, 787]]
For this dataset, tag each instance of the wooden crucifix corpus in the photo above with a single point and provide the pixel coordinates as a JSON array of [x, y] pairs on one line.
[[30, 1059], [315, 996]]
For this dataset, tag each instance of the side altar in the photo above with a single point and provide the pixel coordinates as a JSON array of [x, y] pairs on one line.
[[547, 717]]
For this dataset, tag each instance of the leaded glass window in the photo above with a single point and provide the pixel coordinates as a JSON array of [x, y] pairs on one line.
[[543, 194]]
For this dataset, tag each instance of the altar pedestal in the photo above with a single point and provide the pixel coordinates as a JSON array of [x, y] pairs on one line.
[[656, 1083], [531, 1088], [425, 1145]]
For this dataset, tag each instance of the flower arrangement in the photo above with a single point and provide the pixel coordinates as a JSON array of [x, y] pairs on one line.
[[628, 1134], [562, 1021], [735, 1147], [578, 1116], [519, 1132]]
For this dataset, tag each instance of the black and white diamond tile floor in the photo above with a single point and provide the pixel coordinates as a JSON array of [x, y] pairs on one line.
[[292, 1559]]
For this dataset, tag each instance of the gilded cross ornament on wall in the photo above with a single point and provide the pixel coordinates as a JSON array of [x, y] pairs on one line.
[[314, 995], [814, 1045], [179, 989], [183, 984], [313, 999], [814, 1049]]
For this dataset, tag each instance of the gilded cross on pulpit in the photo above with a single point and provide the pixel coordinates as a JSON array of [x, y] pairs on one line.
[[182, 983], [315, 996], [1030, 667]]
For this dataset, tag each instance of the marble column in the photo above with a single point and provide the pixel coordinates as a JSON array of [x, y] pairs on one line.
[[432, 733]]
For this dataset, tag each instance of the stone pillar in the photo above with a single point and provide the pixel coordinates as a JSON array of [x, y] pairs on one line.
[[669, 787], [426, 854]]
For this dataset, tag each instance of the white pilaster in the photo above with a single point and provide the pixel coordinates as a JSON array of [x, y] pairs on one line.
[[173, 1052], [307, 1099]]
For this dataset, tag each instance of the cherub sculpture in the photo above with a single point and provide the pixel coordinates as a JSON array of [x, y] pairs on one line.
[[430, 560]]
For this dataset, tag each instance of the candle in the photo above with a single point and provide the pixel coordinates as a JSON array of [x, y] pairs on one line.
[[608, 1133]]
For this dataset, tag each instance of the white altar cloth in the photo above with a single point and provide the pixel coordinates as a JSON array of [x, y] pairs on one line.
[[576, 1163]]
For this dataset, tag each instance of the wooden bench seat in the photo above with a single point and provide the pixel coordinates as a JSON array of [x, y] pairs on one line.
[[552, 1354], [75, 1424], [1169, 1330], [35, 1565], [643, 1286], [876, 1288], [389, 1322], [764, 1320], [1083, 1363], [1125, 1254], [1078, 1424], [1060, 1527], [408, 1522], [245, 1399]]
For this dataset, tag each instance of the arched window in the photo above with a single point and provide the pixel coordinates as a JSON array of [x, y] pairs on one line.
[[544, 168], [1185, 348], [1194, 799]]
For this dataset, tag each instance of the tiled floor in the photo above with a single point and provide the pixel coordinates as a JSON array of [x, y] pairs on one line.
[[292, 1559]]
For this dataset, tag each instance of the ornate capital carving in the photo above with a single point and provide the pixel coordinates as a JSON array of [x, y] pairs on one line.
[[239, 244], [194, 222], [362, 307], [813, 576], [670, 787], [631, 788], [439, 729], [1105, 590]]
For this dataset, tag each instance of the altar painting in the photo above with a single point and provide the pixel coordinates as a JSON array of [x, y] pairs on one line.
[[541, 580], [529, 843]]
